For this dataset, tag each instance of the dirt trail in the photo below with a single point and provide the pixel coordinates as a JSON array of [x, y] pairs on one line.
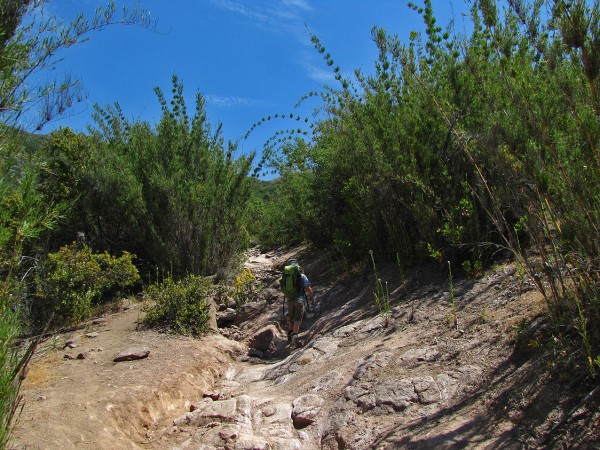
[[413, 381]]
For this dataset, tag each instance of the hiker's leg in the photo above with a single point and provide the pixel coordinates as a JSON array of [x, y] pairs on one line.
[[298, 314], [291, 314], [296, 328]]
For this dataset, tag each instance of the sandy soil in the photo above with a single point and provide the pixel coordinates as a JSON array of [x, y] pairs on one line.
[[495, 387]]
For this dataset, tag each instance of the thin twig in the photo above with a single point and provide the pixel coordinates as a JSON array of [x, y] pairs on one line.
[[586, 399]]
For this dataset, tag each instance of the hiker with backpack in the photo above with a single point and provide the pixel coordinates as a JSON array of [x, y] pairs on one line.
[[294, 285]]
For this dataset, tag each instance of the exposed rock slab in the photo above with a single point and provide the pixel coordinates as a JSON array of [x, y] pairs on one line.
[[306, 409]]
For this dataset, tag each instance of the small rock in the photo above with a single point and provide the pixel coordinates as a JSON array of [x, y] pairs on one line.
[[458, 333], [73, 342], [82, 355], [226, 332], [132, 354], [268, 411], [226, 317], [228, 436], [212, 395], [92, 335]]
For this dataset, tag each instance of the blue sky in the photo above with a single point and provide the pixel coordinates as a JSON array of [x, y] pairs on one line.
[[249, 59]]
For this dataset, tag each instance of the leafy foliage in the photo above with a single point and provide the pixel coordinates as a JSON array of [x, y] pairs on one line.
[[456, 148], [175, 195], [286, 215], [65, 159], [179, 306], [74, 279]]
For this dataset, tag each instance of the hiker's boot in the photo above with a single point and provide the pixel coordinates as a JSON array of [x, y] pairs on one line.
[[290, 336]]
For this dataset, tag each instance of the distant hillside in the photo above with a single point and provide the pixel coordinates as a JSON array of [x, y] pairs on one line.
[[264, 190], [33, 142]]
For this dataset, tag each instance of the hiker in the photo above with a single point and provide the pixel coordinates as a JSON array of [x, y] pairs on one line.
[[295, 284]]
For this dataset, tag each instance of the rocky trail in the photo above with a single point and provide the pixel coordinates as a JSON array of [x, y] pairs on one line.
[[436, 374]]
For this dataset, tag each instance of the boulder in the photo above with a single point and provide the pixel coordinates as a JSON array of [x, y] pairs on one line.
[[263, 339], [398, 394], [256, 353]]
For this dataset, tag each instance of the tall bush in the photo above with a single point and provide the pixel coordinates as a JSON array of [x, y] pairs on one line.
[[177, 193]]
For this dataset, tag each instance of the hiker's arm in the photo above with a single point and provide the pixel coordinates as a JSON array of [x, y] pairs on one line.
[[310, 293]]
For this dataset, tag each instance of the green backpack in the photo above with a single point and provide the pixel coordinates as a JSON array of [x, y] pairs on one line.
[[291, 281]]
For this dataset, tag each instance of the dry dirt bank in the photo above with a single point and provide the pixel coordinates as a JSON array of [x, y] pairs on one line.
[[414, 381]]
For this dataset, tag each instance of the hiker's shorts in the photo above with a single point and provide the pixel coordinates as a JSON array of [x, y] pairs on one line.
[[295, 310]]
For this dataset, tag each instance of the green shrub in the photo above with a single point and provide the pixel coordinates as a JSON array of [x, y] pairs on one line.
[[74, 279], [179, 306]]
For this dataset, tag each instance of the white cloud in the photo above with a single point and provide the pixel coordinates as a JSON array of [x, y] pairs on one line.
[[318, 74], [230, 101], [281, 13], [238, 8], [301, 4], [284, 17]]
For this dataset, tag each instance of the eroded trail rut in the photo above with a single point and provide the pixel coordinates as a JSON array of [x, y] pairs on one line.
[[361, 381], [414, 380]]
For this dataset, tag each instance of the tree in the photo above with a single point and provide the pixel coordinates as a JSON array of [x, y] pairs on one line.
[[29, 44]]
